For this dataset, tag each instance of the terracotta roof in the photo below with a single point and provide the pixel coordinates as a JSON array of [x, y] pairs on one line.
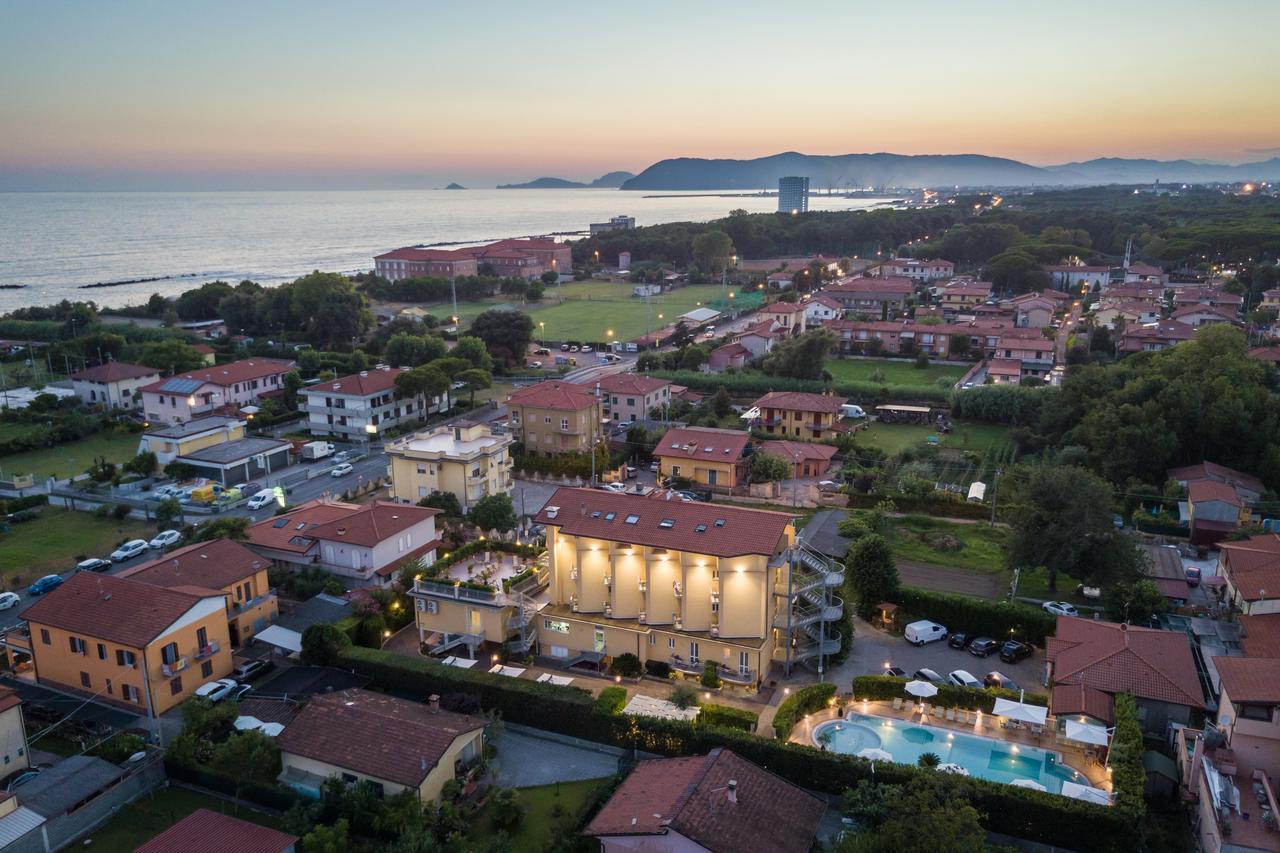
[[372, 523], [209, 565], [1260, 635], [1253, 565], [211, 832], [692, 797], [1144, 269], [1198, 308], [411, 254], [782, 308], [1250, 679], [891, 285], [731, 350], [9, 698], [228, 374], [292, 530], [375, 734], [800, 401], [1079, 699], [1271, 354], [822, 299], [363, 384], [1212, 490], [720, 445], [114, 371], [1214, 471], [203, 349], [1114, 658], [106, 607], [806, 450], [1172, 588], [1165, 329], [1005, 366], [553, 394], [742, 531], [629, 383], [967, 288]]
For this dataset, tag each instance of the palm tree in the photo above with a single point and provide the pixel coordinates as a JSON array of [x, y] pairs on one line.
[[929, 759]]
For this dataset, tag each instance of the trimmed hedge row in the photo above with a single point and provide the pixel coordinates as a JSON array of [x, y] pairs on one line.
[[745, 384], [806, 700], [1128, 774], [727, 717], [1033, 815], [948, 696], [611, 700], [272, 797], [24, 503], [976, 615]]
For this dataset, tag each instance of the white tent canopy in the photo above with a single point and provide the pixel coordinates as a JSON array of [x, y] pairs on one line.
[[1086, 733], [955, 769], [923, 689], [1036, 714], [1084, 792], [280, 637]]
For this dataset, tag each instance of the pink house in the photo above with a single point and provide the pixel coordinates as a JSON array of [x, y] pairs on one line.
[[733, 355], [185, 396]]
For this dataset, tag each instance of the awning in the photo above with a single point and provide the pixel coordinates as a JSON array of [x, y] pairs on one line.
[[1018, 711], [1086, 733], [1086, 793], [281, 638]]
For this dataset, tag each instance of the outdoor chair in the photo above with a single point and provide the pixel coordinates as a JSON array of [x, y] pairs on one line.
[[937, 712], [951, 714], [897, 703]]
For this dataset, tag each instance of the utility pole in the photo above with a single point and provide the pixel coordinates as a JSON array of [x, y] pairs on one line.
[[453, 286], [995, 485]]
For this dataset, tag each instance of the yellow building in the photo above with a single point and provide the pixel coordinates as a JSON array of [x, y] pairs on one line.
[[465, 459], [797, 414], [13, 735], [709, 457], [219, 565], [138, 646], [556, 417], [174, 440], [395, 744]]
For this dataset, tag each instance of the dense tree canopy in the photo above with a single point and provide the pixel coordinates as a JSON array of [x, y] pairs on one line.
[[505, 333], [802, 357]]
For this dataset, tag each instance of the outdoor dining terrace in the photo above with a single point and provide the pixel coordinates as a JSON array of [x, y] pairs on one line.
[[697, 667]]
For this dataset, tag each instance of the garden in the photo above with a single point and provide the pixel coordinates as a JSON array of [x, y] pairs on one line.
[[894, 371]]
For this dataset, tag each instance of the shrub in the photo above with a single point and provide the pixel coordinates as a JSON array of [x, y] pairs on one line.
[[948, 696], [611, 700], [1128, 776], [976, 615], [710, 676], [28, 502], [333, 587], [929, 759], [121, 511], [803, 701], [322, 645], [658, 668], [626, 665], [24, 515], [727, 717], [683, 696]]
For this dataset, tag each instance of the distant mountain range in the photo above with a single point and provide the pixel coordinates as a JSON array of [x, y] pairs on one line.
[[932, 170], [612, 180]]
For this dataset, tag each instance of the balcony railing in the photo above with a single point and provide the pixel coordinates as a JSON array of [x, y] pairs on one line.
[[206, 651], [170, 669], [455, 591], [241, 606]]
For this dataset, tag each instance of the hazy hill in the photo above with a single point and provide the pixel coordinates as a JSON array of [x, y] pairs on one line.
[[611, 180]]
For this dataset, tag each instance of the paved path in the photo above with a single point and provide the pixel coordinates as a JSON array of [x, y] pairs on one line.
[[944, 579]]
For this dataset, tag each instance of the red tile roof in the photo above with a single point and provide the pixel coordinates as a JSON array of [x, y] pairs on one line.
[[917, 262], [1214, 471], [1271, 354], [1114, 658], [1250, 679], [106, 607], [231, 373], [375, 734], [294, 532], [1260, 635], [800, 401], [553, 394], [211, 832], [782, 308], [1074, 268], [692, 797], [1216, 310], [804, 451], [732, 350], [821, 299], [629, 383], [721, 445], [743, 531], [203, 349], [114, 371], [1252, 565], [363, 384], [372, 523], [210, 565], [411, 254], [1079, 699], [1212, 490], [883, 285], [1005, 366]]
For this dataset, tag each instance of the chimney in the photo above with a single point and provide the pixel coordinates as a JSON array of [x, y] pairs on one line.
[[582, 510], [733, 791]]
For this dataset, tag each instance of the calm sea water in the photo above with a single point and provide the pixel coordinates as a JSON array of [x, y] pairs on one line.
[[56, 242]]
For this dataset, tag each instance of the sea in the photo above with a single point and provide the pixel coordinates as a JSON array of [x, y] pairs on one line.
[[167, 242]]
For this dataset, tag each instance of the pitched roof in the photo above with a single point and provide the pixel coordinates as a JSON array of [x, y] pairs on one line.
[[1212, 490], [732, 350], [1252, 565], [107, 607], [1074, 268], [1114, 658], [9, 698], [890, 285], [1214, 471], [412, 254], [800, 401], [782, 308], [375, 734], [823, 299], [693, 797], [727, 531], [114, 371], [1250, 679], [211, 832], [720, 445], [222, 374], [1081, 699], [291, 531], [629, 383], [553, 394], [1271, 354], [366, 383], [807, 451], [1260, 635], [209, 565], [1005, 366], [1197, 308], [918, 262], [373, 523]]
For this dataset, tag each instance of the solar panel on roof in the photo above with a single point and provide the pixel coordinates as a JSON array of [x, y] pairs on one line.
[[179, 385]]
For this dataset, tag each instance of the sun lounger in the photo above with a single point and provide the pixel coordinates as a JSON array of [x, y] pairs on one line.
[[951, 714], [937, 712], [962, 717], [897, 703]]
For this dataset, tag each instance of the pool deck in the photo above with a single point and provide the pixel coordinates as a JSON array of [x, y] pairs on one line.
[[988, 726]]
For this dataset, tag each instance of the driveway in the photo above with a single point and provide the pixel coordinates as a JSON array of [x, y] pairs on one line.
[[524, 760]]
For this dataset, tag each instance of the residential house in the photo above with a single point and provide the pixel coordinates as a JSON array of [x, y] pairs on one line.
[[896, 337], [760, 338], [780, 280], [1155, 666], [1111, 313], [1198, 315], [114, 385], [916, 269], [1155, 336], [800, 415], [239, 461], [1033, 311], [719, 802], [820, 309], [1138, 292], [733, 355], [214, 832], [1251, 569], [1213, 511], [1146, 273], [364, 405], [1270, 299], [218, 565], [1270, 354], [186, 396], [129, 643], [1004, 371], [169, 441], [1078, 277], [555, 417], [875, 297], [631, 397], [1207, 295], [394, 744], [964, 295], [807, 460], [208, 353], [1034, 351], [368, 543], [719, 458], [1247, 486], [13, 733], [789, 315], [463, 458]]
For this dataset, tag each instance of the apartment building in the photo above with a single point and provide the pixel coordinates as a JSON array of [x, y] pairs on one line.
[[169, 441], [114, 385], [422, 263], [138, 646], [13, 733], [464, 458], [630, 397], [718, 458], [186, 396], [918, 270], [219, 565], [820, 309], [793, 194], [1034, 351], [963, 295], [1074, 277], [876, 297], [1151, 337], [896, 337], [363, 405], [556, 417], [798, 414]]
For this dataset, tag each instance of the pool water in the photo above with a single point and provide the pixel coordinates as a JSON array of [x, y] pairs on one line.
[[988, 758]]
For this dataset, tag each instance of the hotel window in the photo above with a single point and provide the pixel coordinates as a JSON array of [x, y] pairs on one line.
[[693, 653], [422, 469], [560, 627], [564, 423], [202, 637], [169, 654], [77, 646], [1256, 712], [546, 419], [84, 679], [175, 686], [744, 662], [653, 639], [102, 652], [671, 643], [44, 637], [125, 658]]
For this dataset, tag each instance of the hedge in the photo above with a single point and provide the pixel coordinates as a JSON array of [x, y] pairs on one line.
[[806, 700], [611, 700], [924, 506], [28, 502], [271, 797], [998, 619], [727, 717], [1128, 774], [1033, 815], [948, 696], [350, 625], [746, 384]]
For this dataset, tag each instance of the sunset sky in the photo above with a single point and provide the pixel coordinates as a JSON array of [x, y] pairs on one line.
[[141, 95]]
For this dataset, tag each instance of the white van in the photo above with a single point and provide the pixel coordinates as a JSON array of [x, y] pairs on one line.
[[924, 631], [852, 411]]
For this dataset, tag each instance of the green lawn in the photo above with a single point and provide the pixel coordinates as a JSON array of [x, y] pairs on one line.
[[58, 539], [16, 374], [922, 539], [892, 372], [535, 830], [892, 438], [149, 815], [66, 459]]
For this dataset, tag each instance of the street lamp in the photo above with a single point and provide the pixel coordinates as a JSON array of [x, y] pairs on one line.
[[370, 430], [543, 326]]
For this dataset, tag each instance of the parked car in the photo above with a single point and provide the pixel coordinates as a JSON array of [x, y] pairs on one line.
[[536, 365], [249, 670], [542, 351], [1193, 576], [961, 678], [93, 564], [982, 647], [345, 455], [895, 671], [1059, 608], [958, 640], [1015, 650], [564, 348], [928, 675], [573, 349], [165, 538], [342, 470], [615, 487], [48, 583], [655, 466], [129, 550], [9, 599], [216, 691], [827, 485], [999, 679], [262, 498], [924, 631]]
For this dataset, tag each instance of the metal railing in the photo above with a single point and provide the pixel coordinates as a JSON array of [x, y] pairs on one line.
[[455, 591]]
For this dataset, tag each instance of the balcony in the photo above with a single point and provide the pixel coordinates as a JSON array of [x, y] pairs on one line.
[[207, 651], [172, 669], [455, 591], [693, 666], [241, 606], [675, 587]]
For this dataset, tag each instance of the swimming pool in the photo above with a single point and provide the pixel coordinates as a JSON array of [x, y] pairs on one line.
[[986, 757]]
